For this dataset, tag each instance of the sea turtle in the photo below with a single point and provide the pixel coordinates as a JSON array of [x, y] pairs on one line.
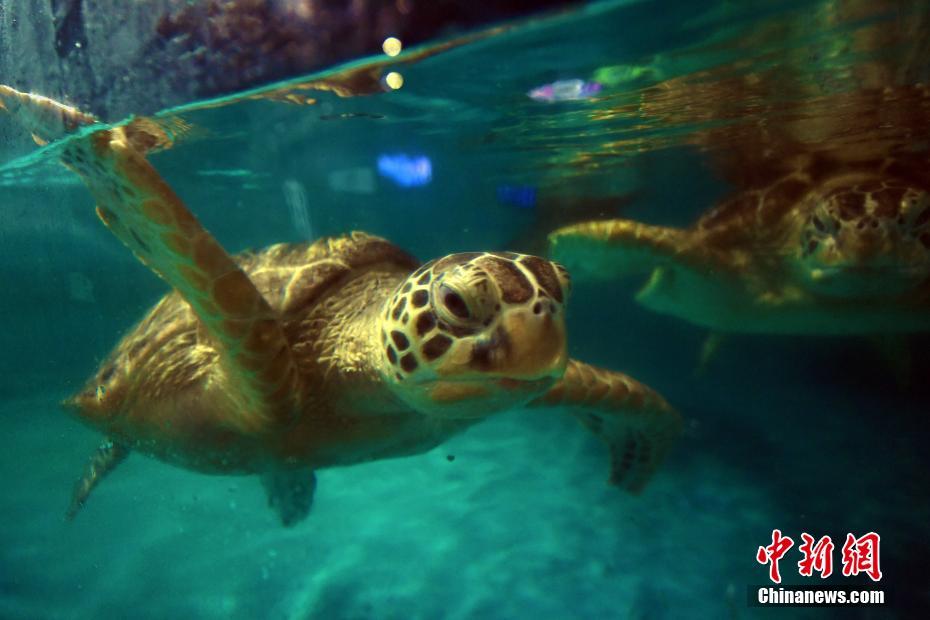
[[829, 248], [305, 356], [826, 229], [820, 136]]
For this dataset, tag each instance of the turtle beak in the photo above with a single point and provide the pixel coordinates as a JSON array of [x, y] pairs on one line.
[[516, 360], [524, 347]]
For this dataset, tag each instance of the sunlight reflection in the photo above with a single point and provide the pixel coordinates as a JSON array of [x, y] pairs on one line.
[[295, 196]]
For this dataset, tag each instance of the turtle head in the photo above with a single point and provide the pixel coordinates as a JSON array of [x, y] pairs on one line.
[[471, 334], [866, 240]]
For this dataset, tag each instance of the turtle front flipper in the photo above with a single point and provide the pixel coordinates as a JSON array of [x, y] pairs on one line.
[[290, 493], [49, 120], [616, 248], [638, 425], [107, 457], [139, 207], [46, 119]]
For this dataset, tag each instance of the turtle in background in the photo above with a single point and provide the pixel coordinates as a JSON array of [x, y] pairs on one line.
[[826, 229], [299, 357], [841, 250]]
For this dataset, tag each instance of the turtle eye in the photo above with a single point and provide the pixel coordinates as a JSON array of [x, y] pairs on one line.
[[465, 297], [453, 302]]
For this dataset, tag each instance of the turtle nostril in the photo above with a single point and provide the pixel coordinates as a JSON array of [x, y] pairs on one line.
[[545, 306]]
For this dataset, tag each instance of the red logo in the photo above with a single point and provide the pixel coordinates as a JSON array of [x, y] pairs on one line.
[[817, 557], [860, 555], [773, 553]]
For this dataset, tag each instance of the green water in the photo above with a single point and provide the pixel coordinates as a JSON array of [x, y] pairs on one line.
[[819, 435]]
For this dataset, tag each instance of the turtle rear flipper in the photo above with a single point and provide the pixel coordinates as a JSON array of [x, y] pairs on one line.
[[290, 493], [616, 248], [637, 424], [107, 457]]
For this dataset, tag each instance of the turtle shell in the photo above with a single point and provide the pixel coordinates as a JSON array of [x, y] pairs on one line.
[[293, 276], [169, 349]]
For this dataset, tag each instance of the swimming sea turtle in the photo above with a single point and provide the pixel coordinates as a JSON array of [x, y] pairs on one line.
[[305, 356], [829, 248], [827, 226]]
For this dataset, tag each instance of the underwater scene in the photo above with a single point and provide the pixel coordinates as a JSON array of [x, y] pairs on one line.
[[617, 310]]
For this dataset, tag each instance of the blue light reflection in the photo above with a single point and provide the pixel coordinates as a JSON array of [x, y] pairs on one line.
[[406, 170]]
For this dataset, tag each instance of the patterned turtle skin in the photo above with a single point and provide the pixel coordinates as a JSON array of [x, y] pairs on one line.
[[305, 356], [824, 249]]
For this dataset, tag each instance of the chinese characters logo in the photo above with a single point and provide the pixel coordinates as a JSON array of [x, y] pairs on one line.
[[859, 555]]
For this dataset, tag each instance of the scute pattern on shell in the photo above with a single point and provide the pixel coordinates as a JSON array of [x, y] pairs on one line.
[[294, 276], [170, 349], [355, 249]]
